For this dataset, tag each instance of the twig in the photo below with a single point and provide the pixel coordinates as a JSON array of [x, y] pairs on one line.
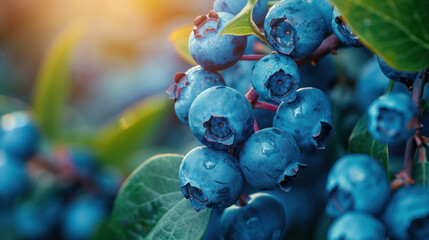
[[266, 106]]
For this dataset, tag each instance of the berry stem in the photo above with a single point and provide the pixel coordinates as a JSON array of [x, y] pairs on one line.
[[252, 96], [329, 45], [255, 126], [266, 106], [252, 57], [418, 86]]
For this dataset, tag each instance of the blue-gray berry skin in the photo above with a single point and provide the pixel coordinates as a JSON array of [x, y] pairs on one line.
[[13, 177], [269, 159], [343, 31], [210, 178], [308, 119], [294, 27], [390, 117], [397, 75], [325, 8], [235, 6], [262, 218], [356, 225], [211, 51], [357, 182], [188, 86], [19, 135], [275, 78], [221, 118], [407, 213]]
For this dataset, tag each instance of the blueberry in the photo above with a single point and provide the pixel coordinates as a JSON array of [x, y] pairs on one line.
[[210, 178], [343, 31], [356, 225], [308, 119], [275, 78], [37, 221], [294, 27], [83, 162], [13, 177], [321, 76], [211, 51], [188, 86], [212, 232], [221, 118], [269, 159], [82, 217], [325, 9], [261, 218], [108, 182], [235, 6], [372, 83], [406, 77], [239, 76], [357, 182], [407, 213], [18, 134], [390, 118]]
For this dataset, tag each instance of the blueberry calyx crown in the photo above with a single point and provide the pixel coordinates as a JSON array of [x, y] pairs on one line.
[[326, 131], [218, 130], [286, 181], [344, 29], [339, 200], [180, 82], [283, 34], [280, 85], [195, 195], [205, 24]]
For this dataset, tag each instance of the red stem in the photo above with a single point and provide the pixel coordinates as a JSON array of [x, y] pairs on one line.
[[266, 106], [255, 126], [252, 96], [252, 57]]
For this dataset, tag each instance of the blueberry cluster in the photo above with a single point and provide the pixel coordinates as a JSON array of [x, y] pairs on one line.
[[242, 145], [359, 197], [50, 195]]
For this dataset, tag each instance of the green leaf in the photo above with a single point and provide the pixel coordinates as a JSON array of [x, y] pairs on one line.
[[242, 23], [397, 30], [150, 204], [180, 38], [52, 87], [361, 141], [421, 168], [134, 129]]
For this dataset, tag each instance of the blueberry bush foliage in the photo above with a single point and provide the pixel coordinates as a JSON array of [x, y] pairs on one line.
[[189, 197]]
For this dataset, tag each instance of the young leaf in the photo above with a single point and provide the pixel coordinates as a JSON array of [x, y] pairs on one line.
[[421, 168], [135, 128], [361, 141], [52, 85], [397, 30], [242, 23], [150, 204], [179, 38]]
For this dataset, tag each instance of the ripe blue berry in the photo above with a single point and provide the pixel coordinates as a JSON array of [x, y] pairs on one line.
[[269, 159], [322, 76], [372, 83], [261, 218], [211, 51], [188, 86], [308, 119], [239, 76], [83, 162], [343, 31], [210, 178], [275, 78], [357, 182], [221, 118], [407, 213], [235, 6], [13, 177], [19, 135], [397, 75], [82, 217], [325, 9], [356, 225], [294, 27], [390, 118]]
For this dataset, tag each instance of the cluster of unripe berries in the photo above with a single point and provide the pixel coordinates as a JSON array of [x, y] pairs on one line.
[[39, 196]]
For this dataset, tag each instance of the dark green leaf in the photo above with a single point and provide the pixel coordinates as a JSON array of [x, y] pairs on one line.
[[421, 168], [134, 129], [151, 206], [242, 23], [51, 91], [361, 141], [398, 30]]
